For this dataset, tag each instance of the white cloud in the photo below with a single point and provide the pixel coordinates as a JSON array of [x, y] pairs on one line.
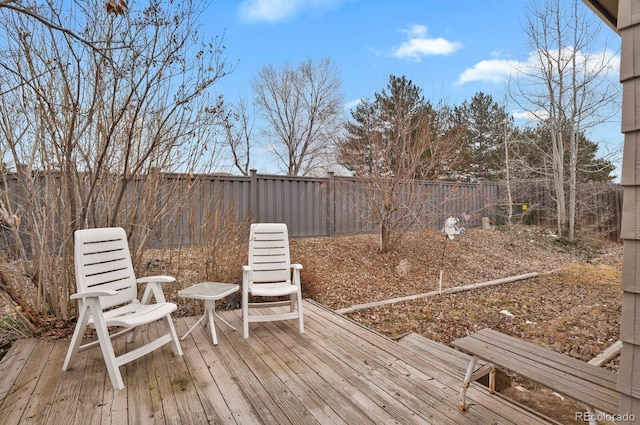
[[273, 11], [267, 10], [420, 45], [351, 105], [499, 70], [539, 115], [606, 62], [492, 70], [522, 115]]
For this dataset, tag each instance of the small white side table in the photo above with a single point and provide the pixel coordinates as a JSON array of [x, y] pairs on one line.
[[209, 292]]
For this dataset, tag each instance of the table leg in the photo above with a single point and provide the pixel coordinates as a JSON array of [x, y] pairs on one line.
[[210, 309], [222, 318], [194, 325], [209, 313]]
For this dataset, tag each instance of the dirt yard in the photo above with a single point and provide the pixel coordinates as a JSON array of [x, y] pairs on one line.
[[573, 307]]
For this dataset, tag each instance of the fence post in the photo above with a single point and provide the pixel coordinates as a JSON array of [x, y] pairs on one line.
[[331, 207], [254, 208]]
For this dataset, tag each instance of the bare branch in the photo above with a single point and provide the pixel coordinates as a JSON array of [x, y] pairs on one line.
[[303, 109], [12, 5]]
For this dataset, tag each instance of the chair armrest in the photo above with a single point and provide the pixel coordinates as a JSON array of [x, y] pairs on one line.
[[93, 294], [160, 279], [296, 273], [154, 288], [246, 275], [246, 278]]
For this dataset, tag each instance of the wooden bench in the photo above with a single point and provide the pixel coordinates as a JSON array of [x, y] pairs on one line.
[[591, 385]]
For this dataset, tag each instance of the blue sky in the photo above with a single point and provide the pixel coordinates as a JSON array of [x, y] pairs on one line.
[[451, 50], [369, 40]]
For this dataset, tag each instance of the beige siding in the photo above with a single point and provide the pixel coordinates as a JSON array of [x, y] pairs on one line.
[[629, 378]]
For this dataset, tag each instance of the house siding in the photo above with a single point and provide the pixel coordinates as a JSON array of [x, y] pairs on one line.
[[629, 377]]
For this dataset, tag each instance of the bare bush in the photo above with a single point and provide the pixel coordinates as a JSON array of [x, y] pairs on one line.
[[89, 130]]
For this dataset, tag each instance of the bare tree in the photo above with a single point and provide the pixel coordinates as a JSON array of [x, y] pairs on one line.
[[34, 12], [238, 133], [567, 85], [302, 107], [392, 144], [90, 132]]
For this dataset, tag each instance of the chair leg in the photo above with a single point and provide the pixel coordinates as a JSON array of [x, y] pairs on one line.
[[106, 346], [109, 356], [78, 334], [131, 338], [91, 307], [300, 320], [245, 313], [175, 343]]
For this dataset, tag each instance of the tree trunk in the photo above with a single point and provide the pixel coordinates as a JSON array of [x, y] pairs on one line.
[[573, 169], [384, 236], [558, 177]]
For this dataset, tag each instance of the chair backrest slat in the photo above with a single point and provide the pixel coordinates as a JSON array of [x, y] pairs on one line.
[[103, 261]]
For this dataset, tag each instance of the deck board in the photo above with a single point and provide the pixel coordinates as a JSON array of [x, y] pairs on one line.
[[410, 371], [401, 392], [12, 365], [205, 364], [373, 403], [337, 372], [17, 406]]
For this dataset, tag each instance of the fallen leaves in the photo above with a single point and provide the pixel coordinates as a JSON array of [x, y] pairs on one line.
[[574, 307]]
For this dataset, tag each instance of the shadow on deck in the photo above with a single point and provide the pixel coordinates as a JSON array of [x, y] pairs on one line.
[[337, 372]]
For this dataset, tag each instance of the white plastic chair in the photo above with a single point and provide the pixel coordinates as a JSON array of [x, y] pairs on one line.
[[270, 274], [107, 297]]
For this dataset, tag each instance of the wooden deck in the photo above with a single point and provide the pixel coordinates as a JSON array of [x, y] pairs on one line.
[[337, 372]]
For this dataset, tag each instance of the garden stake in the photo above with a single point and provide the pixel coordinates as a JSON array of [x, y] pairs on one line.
[[451, 229]]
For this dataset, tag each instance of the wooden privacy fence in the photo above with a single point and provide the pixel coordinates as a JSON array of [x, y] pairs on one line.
[[598, 206], [337, 205], [313, 206]]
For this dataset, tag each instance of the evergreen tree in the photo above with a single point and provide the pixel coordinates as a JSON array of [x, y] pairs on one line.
[[398, 123], [483, 122]]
